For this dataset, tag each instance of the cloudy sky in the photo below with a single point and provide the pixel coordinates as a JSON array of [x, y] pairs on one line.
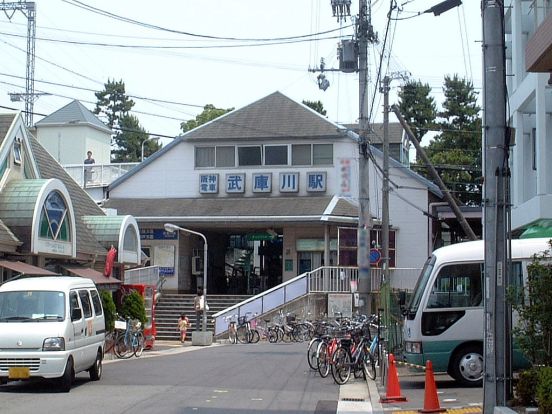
[[175, 56]]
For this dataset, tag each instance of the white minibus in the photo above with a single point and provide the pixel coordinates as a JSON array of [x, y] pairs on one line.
[[51, 327], [444, 319]]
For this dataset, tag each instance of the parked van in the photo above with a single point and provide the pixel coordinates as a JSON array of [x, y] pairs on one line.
[[51, 327]]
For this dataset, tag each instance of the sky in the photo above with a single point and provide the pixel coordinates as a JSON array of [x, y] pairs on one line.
[[176, 56]]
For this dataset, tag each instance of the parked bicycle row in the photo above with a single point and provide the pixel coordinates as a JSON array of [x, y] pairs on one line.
[[346, 347]]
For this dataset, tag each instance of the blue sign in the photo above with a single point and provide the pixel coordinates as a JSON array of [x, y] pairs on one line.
[[375, 256], [158, 234]]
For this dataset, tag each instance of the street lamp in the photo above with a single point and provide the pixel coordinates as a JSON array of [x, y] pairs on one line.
[[172, 228], [144, 141]]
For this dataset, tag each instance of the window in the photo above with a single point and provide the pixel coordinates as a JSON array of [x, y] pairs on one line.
[[322, 154], [249, 156], [73, 302], [226, 156], [301, 154], [17, 151], [276, 155], [130, 242], [54, 222], [96, 301], [204, 157], [86, 305], [458, 286]]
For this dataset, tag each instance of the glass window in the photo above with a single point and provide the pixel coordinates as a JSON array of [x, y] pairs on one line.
[[17, 151], [301, 154], [249, 155], [322, 154], [226, 156], [131, 240], [276, 155], [73, 302], [96, 301], [54, 223], [86, 305], [457, 286], [204, 157], [32, 304]]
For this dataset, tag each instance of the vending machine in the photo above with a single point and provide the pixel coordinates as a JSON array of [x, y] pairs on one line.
[[148, 293]]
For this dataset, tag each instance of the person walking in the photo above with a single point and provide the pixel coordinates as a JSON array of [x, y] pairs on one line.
[[199, 303], [183, 323]]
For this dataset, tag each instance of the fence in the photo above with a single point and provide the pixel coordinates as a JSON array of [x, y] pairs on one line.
[[97, 175], [142, 275]]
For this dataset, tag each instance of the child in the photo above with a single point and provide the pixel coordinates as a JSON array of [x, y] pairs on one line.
[[183, 324]]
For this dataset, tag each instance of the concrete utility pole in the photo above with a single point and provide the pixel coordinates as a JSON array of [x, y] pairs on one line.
[[497, 341], [29, 10], [366, 36]]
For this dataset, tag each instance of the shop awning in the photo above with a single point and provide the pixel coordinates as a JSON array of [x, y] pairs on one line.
[[97, 277], [25, 269]]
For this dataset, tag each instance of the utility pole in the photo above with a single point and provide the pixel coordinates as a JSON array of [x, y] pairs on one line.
[[366, 36], [29, 10], [497, 340]]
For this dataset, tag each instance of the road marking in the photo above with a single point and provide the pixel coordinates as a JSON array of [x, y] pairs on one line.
[[256, 399], [350, 407]]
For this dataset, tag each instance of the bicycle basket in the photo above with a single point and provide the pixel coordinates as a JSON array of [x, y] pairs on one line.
[[242, 320], [121, 325], [135, 325], [290, 318]]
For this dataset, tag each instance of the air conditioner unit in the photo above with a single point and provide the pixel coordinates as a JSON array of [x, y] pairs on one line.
[[197, 265]]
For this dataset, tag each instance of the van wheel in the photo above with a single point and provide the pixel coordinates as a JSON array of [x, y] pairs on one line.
[[95, 370], [467, 366], [66, 380]]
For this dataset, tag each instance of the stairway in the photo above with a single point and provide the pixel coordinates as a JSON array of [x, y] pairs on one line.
[[171, 305]]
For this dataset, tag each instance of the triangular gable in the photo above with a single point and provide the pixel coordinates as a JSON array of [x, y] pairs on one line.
[[15, 148], [74, 113]]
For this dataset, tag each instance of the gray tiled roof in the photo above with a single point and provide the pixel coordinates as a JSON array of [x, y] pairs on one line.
[[376, 135], [218, 209], [83, 205], [272, 117], [73, 113], [6, 120]]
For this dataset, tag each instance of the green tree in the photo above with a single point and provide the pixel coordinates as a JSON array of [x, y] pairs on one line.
[[133, 307], [128, 141], [417, 107], [113, 103], [456, 151], [318, 106], [109, 309], [209, 113]]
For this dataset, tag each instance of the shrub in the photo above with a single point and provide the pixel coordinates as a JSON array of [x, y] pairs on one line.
[[525, 387], [544, 390], [109, 309], [133, 307]]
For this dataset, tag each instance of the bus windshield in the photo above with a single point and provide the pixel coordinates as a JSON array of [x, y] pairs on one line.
[[420, 287]]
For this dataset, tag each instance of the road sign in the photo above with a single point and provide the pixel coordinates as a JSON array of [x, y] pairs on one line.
[[375, 256]]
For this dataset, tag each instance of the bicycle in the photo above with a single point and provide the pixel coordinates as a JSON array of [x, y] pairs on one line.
[[245, 332], [232, 330], [131, 342]]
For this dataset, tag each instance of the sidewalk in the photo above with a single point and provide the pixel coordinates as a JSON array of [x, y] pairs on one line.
[[455, 400], [162, 348]]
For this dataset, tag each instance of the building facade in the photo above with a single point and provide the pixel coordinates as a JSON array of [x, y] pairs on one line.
[[273, 187]]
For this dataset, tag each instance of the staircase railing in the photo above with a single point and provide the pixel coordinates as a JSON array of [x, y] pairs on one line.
[[323, 279]]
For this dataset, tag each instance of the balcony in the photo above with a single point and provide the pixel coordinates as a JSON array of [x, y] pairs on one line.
[[97, 175]]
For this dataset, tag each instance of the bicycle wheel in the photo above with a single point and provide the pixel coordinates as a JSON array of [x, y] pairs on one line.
[[254, 336], [232, 336], [287, 334], [312, 356], [323, 359], [341, 366], [242, 334], [122, 347], [272, 335], [138, 341], [368, 363], [301, 332]]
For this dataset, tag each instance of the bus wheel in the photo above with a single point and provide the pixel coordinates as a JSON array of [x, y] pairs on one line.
[[467, 366]]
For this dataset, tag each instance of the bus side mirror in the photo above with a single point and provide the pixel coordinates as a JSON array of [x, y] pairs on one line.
[[402, 300]]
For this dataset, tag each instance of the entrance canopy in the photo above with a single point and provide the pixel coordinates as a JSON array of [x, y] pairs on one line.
[[25, 269]]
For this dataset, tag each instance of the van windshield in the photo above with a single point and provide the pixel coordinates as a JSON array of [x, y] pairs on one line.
[[420, 287], [32, 305]]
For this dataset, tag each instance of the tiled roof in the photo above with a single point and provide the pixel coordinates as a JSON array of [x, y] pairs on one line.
[[73, 113], [376, 135], [6, 120], [235, 209], [272, 117], [83, 205]]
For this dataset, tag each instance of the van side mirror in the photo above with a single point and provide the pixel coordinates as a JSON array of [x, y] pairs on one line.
[[76, 314], [402, 302]]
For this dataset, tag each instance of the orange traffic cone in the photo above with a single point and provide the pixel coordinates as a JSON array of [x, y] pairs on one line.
[[431, 400], [393, 386]]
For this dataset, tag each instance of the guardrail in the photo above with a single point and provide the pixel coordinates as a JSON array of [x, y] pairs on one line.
[[98, 175]]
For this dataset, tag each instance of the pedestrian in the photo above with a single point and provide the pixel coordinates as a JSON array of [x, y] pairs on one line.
[[199, 303], [183, 323], [88, 170]]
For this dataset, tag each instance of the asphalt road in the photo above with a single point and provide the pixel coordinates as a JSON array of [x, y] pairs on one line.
[[260, 378]]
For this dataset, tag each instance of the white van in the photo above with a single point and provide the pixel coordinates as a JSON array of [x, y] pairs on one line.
[[51, 327]]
